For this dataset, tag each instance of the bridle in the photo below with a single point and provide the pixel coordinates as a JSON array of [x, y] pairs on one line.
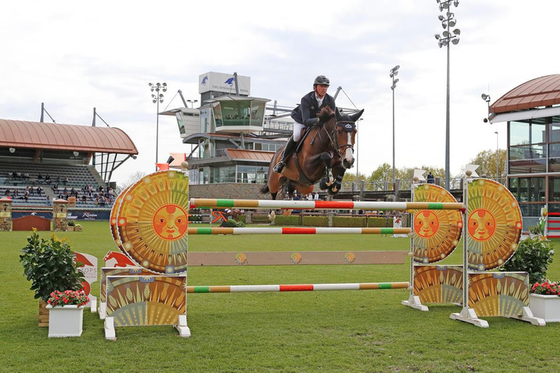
[[348, 127]]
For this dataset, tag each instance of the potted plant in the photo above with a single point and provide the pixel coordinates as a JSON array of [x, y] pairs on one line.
[[533, 255], [66, 312], [71, 225], [49, 265], [78, 227], [545, 300]]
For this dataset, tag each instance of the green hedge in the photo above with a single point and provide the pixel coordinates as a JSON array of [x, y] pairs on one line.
[[261, 219], [323, 221], [380, 222], [315, 221], [347, 221], [287, 220]]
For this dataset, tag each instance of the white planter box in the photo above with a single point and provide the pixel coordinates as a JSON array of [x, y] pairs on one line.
[[65, 321], [546, 307]]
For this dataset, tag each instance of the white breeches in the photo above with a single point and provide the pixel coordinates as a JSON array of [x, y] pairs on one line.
[[296, 134]]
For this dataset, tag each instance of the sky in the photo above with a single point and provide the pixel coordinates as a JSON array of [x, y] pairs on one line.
[[74, 56]]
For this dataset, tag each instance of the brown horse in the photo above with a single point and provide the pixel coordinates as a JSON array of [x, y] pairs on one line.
[[325, 152]]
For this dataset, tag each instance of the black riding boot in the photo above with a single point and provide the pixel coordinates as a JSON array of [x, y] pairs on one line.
[[288, 150]]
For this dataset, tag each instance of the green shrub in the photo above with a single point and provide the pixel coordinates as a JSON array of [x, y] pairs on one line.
[[287, 220], [315, 221], [50, 266], [533, 255], [71, 223]]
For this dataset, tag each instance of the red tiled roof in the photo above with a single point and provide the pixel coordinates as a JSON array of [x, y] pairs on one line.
[[251, 155], [38, 135], [543, 91]]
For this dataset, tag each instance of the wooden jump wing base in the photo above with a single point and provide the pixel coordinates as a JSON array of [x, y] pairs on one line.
[[181, 327]]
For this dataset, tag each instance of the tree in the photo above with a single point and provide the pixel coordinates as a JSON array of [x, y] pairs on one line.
[[381, 176], [491, 164], [135, 177], [350, 177]]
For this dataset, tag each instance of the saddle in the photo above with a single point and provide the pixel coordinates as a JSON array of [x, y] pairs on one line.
[[303, 179]]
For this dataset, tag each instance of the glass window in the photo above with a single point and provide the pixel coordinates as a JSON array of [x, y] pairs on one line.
[[527, 152], [252, 174], [554, 132], [205, 120], [538, 133], [218, 115], [554, 189], [533, 209], [523, 133], [527, 166], [536, 189], [554, 164], [554, 207], [528, 189], [257, 113], [236, 113], [518, 133]]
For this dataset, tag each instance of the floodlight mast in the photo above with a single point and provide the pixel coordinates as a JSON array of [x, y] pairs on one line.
[[449, 36], [157, 98], [392, 74]]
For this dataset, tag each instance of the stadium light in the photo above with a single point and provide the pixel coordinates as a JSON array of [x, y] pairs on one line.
[[447, 38], [392, 74], [157, 98]]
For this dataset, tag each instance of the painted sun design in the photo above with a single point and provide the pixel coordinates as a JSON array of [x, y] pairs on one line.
[[350, 257], [436, 232], [241, 258], [494, 224], [296, 258], [152, 221]]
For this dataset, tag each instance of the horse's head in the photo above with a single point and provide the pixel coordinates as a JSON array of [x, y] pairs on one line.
[[345, 136], [109, 255]]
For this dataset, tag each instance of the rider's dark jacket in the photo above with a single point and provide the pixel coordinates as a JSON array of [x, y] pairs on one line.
[[306, 112]]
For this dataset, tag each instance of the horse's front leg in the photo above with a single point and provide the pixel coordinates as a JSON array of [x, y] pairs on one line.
[[335, 187], [328, 179]]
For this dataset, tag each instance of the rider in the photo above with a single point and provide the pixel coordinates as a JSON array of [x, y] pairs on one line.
[[305, 115]]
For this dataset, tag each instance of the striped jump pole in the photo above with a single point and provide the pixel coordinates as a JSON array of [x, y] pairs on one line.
[[297, 230], [295, 287], [325, 205]]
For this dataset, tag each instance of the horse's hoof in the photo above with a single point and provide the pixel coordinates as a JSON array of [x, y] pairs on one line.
[[323, 185]]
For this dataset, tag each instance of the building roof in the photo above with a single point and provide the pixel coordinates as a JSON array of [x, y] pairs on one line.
[[539, 92], [249, 155], [39, 135]]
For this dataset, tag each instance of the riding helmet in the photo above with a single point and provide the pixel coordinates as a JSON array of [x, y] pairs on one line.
[[321, 79]]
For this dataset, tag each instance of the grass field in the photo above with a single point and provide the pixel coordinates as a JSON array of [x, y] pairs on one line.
[[343, 331]]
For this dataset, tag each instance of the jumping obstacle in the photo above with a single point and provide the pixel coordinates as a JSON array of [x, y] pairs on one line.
[[295, 287], [297, 230], [486, 246], [323, 205], [165, 194]]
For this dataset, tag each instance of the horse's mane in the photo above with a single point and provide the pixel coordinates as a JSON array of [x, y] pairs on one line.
[[325, 114]]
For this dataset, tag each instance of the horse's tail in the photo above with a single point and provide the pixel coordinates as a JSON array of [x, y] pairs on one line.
[[264, 189]]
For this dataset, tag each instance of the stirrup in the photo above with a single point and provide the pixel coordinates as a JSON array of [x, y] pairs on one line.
[[279, 167]]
